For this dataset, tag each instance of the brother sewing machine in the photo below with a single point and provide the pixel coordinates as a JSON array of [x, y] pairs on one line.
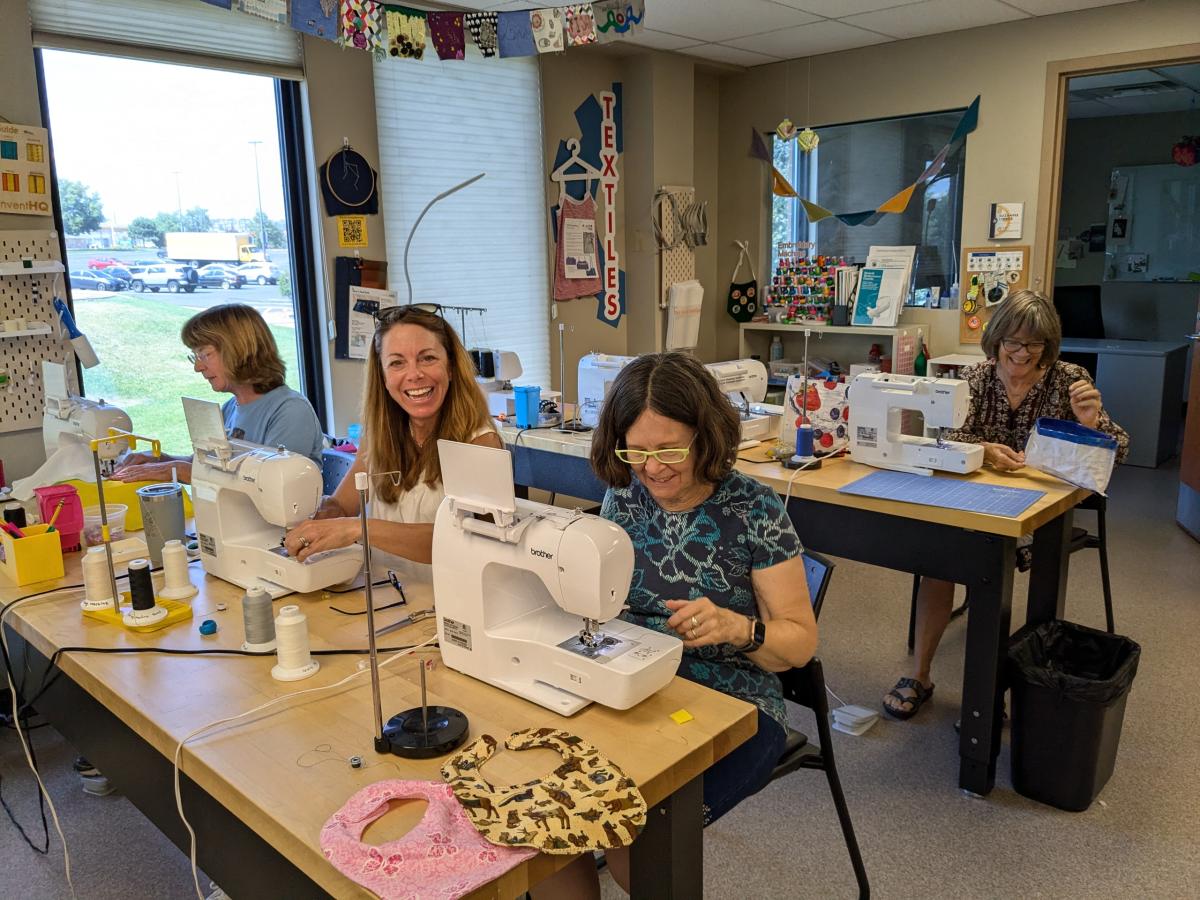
[[744, 382], [528, 601], [877, 401], [246, 497], [595, 377], [71, 419]]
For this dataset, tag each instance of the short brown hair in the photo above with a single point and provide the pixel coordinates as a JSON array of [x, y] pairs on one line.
[[678, 387], [247, 347], [390, 446], [1030, 310]]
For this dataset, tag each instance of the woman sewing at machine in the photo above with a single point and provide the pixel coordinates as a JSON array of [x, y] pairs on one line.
[[420, 388], [1021, 380], [716, 563], [234, 350]]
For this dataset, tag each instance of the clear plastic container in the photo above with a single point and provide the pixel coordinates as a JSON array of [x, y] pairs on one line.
[[92, 524]]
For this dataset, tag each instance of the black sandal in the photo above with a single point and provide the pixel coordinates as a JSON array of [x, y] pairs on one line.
[[921, 695]]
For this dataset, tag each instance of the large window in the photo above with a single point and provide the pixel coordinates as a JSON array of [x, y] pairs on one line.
[[441, 123], [177, 168], [857, 167]]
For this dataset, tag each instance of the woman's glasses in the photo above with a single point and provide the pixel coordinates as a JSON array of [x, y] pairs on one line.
[[1012, 345], [390, 314], [669, 456], [199, 359]]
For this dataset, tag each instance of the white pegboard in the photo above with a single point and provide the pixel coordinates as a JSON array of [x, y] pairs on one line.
[[678, 264], [28, 297]]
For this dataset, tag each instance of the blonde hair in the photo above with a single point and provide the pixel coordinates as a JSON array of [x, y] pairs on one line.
[[389, 443], [247, 347], [1032, 311]]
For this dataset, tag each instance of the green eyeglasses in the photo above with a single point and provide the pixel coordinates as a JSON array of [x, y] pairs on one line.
[[669, 456]]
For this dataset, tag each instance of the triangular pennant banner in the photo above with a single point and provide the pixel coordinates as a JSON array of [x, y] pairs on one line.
[[899, 203], [968, 123], [780, 186], [758, 147], [815, 213], [855, 218]]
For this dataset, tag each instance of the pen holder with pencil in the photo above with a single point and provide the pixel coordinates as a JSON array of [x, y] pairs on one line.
[[35, 557]]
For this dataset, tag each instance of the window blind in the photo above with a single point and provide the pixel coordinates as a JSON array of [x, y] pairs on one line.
[[171, 31], [441, 123]]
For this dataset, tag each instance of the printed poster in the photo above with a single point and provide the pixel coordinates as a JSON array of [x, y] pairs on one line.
[[24, 170]]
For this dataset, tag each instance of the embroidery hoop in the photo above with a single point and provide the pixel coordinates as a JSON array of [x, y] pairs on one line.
[[329, 184]]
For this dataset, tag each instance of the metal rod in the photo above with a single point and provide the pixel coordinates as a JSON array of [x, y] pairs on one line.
[[112, 572], [408, 242], [424, 700], [366, 542]]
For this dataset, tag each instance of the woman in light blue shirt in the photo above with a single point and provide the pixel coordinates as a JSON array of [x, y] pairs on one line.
[[233, 349]]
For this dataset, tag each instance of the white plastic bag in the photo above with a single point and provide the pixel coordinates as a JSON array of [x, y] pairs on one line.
[[1077, 454]]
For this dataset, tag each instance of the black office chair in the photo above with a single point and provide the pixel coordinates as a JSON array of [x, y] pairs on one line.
[[1081, 539], [334, 466], [806, 687]]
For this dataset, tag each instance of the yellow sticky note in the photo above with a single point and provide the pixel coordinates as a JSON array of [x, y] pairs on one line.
[[680, 716]]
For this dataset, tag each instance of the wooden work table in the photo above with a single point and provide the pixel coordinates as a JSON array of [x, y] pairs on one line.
[[281, 773]]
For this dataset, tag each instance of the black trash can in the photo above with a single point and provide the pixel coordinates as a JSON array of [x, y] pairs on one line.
[[1069, 685]]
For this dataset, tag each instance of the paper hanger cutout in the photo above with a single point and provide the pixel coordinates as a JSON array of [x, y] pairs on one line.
[[589, 174]]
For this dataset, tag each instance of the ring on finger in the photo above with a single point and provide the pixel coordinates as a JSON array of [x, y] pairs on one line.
[[692, 634], [695, 623], [304, 542]]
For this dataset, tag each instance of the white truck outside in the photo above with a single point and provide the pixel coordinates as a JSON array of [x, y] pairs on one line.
[[199, 248]]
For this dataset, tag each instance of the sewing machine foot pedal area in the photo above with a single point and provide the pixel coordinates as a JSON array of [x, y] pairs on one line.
[[423, 732]]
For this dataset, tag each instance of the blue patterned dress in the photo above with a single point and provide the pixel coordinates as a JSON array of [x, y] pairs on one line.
[[708, 551]]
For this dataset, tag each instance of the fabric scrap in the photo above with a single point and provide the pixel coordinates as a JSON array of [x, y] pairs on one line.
[[514, 34], [579, 24], [406, 32], [482, 26], [446, 31]]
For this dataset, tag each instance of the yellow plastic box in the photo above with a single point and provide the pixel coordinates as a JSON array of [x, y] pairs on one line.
[[122, 492], [35, 557]]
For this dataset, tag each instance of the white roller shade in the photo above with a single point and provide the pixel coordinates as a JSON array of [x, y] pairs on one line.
[[170, 30], [441, 123]]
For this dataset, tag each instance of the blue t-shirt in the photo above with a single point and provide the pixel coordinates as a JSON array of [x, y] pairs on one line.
[[708, 551], [279, 418]]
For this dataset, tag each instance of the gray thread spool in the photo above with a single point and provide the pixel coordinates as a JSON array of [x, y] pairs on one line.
[[162, 516], [258, 619]]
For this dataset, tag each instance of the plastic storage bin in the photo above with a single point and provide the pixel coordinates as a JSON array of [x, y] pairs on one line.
[[527, 401], [1069, 687], [92, 524], [35, 557], [69, 523]]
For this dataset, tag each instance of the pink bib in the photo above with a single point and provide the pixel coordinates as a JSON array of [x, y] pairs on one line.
[[443, 857]]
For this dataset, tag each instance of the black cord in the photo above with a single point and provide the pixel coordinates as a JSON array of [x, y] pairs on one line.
[[45, 848]]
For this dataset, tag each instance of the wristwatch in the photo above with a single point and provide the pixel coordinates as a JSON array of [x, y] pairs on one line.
[[758, 635]]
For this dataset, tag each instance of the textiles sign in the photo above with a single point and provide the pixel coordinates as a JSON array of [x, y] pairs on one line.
[[610, 309]]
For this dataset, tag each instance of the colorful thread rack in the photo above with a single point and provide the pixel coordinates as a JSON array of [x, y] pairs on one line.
[[803, 287]]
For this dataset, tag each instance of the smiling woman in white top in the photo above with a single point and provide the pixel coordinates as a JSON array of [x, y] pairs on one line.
[[420, 388]]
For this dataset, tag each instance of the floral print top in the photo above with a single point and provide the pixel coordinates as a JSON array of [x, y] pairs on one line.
[[708, 551], [991, 419]]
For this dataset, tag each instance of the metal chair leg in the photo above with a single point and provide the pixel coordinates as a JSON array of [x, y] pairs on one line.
[[839, 801]]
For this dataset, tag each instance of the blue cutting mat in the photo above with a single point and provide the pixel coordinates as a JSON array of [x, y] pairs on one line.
[[948, 493]]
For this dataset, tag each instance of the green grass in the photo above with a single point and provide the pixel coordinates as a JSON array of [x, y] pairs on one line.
[[144, 367]]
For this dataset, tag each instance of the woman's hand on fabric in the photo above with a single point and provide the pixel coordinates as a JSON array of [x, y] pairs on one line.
[[319, 535], [1085, 402], [1003, 457], [159, 470], [701, 623], [329, 508]]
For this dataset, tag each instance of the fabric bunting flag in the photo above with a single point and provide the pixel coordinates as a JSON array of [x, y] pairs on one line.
[[316, 17], [547, 25], [580, 24], [406, 32], [362, 25], [271, 10], [446, 30], [224, 4], [616, 19], [482, 26], [514, 34], [897, 203]]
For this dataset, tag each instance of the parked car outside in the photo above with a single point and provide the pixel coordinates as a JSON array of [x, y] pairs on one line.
[[156, 277], [215, 276], [119, 272], [86, 280], [114, 282], [103, 262], [263, 273]]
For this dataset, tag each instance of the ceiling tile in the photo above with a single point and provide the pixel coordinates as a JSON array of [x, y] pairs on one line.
[[839, 9], [730, 55], [659, 40], [1049, 7], [935, 17], [720, 20], [809, 40]]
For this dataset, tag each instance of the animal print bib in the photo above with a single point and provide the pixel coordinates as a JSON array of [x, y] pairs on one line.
[[585, 804]]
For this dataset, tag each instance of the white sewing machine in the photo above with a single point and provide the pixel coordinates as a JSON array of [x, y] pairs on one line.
[[246, 497], [878, 399], [744, 382], [595, 377], [68, 419], [494, 373], [528, 601]]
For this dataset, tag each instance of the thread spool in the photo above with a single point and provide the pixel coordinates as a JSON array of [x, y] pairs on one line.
[[144, 610], [291, 634], [804, 441], [162, 516], [97, 588], [257, 621], [177, 584]]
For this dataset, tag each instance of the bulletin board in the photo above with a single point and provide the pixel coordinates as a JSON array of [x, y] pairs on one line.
[[989, 275]]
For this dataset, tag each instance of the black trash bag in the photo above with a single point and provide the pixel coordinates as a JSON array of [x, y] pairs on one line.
[[1078, 662]]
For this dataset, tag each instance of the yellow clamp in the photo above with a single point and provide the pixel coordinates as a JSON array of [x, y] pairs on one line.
[[116, 436]]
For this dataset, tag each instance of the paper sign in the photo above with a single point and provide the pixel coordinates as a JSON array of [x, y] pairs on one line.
[[1006, 220], [364, 302], [24, 170], [352, 231], [611, 305]]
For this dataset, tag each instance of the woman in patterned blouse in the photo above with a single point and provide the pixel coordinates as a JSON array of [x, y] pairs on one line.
[[1021, 380], [714, 553]]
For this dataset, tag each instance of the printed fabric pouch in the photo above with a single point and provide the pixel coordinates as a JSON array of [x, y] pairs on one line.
[[444, 857], [1077, 454], [742, 304], [825, 407], [585, 804]]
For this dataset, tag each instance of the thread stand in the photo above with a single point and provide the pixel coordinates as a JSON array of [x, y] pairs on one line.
[[804, 457], [176, 612], [419, 733]]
